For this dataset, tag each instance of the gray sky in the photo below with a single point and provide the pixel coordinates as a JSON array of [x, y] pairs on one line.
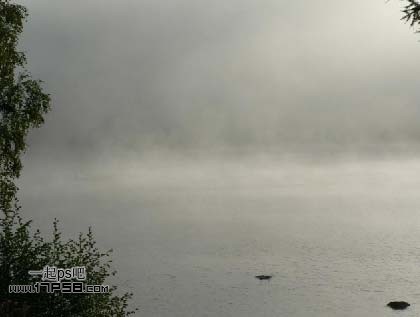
[[134, 76]]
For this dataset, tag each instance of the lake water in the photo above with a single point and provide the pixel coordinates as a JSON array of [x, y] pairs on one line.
[[340, 238]]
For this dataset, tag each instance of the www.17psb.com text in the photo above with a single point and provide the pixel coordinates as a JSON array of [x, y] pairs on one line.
[[63, 287]]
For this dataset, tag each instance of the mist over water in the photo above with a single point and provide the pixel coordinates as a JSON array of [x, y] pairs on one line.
[[209, 142], [255, 76], [341, 238]]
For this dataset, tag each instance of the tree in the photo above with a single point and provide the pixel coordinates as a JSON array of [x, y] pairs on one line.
[[23, 105], [412, 12], [22, 101]]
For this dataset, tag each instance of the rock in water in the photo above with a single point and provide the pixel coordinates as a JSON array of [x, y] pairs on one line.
[[398, 305], [263, 277]]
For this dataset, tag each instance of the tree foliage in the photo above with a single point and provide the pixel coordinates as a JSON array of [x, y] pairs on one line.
[[22, 101], [26, 251], [412, 13], [23, 105]]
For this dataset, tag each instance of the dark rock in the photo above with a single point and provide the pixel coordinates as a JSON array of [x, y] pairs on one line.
[[398, 305], [263, 277]]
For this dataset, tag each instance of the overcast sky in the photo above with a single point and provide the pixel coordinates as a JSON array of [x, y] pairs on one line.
[[133, 76]]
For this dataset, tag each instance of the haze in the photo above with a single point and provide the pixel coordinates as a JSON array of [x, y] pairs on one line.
[[224, 76], [211, 141]]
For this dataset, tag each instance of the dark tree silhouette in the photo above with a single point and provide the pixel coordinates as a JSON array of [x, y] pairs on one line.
[[412, 13], [23, 105], [22, 101]]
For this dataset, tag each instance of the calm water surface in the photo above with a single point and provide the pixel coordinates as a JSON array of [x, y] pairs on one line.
[[341, 239]]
